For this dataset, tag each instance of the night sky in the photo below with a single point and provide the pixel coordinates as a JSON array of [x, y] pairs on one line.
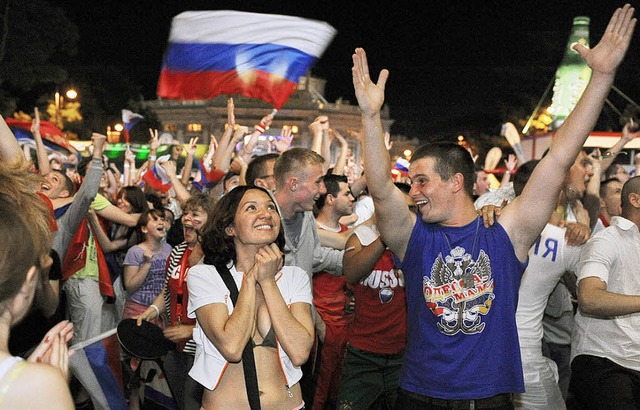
[[456, 66]]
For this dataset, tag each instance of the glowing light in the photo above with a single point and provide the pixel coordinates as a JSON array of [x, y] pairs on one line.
[[118, 127], [407, 153], [71, 94]]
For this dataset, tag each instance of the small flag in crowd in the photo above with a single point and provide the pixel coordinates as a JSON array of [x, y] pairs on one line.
[[96, 364], [156, 177], [402, 165], [230, 52], [130, 119]]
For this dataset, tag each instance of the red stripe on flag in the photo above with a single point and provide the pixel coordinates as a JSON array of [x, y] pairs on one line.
[[269, 88]]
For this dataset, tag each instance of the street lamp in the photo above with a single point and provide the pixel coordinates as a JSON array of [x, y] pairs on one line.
[[71, 94]]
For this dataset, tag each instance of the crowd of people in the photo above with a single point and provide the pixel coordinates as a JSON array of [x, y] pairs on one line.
[[286, 281]]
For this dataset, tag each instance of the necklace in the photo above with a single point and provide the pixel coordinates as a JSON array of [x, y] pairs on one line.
[[475, 239]]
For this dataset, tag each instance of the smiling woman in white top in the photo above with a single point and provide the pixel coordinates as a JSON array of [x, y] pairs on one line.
[[272, 312]]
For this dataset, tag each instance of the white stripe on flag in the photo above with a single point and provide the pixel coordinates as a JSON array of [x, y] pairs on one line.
[[236, 27]]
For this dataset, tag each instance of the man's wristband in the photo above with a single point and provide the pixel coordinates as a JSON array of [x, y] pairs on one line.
[[152, 157], [608, 154], [259, 128]]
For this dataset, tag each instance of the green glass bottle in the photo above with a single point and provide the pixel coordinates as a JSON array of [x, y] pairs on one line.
[[572, 75]]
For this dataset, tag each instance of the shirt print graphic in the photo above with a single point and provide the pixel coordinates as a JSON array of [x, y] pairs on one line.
[[459, 291], [385, 281]]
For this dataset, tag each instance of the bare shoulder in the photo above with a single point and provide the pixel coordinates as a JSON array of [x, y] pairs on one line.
[[38, 386]]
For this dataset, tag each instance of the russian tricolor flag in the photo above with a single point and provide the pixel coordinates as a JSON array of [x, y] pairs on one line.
[[130, 119], [230, 52]]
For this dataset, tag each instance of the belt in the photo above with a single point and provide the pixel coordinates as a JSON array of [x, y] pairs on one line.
[[498, 400]]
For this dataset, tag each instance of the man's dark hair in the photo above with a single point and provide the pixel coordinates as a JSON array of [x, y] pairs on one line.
[[450, 159], [68, 183], [604, 184], [611, 171], [632, 186], [521, 177], [256, 167], [332, 182]]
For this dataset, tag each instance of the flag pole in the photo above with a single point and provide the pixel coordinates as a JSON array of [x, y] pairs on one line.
[[85, 343]]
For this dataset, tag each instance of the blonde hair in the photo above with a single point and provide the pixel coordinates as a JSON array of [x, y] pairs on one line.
[[294, 161], [20, 185]]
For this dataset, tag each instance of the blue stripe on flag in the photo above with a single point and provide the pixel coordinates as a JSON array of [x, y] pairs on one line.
[[282, 61]]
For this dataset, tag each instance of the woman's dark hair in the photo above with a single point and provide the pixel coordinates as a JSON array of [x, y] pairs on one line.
[[144, 220], [217, 245], [135, 197]]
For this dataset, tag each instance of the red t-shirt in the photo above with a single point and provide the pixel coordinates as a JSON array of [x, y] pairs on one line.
[[380, 321], [330, 297]]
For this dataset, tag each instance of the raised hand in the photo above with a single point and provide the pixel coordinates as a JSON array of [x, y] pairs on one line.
[[321, 123], [630, 130], [170, 168], [154, 142], [607, 55], [99, 142], [370, 95], [129, 157], [286, 136], [231, 118], [511, 162], [268, 262], [35, 123], [193, 146]]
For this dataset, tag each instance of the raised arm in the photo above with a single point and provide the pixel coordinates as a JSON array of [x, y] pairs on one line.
[[41, 152], [182, 194], [341, 162], [9, 147], [319, 128], [129, 168], [115, 214], [395, 221], [258, 129], [527, 214], [106, 244], [188, 163], [627, 135], [70, 221]]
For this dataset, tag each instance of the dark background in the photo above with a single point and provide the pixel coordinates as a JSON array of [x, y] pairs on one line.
[[457, 66]]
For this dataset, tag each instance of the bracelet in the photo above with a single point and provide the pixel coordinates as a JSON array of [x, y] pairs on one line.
[[259, 128], [507, 172], [126, 165], [609, 154], [152, 157], [157, 310]]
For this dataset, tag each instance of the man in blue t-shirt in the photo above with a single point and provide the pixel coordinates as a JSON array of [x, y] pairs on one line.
[[462, 276]]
